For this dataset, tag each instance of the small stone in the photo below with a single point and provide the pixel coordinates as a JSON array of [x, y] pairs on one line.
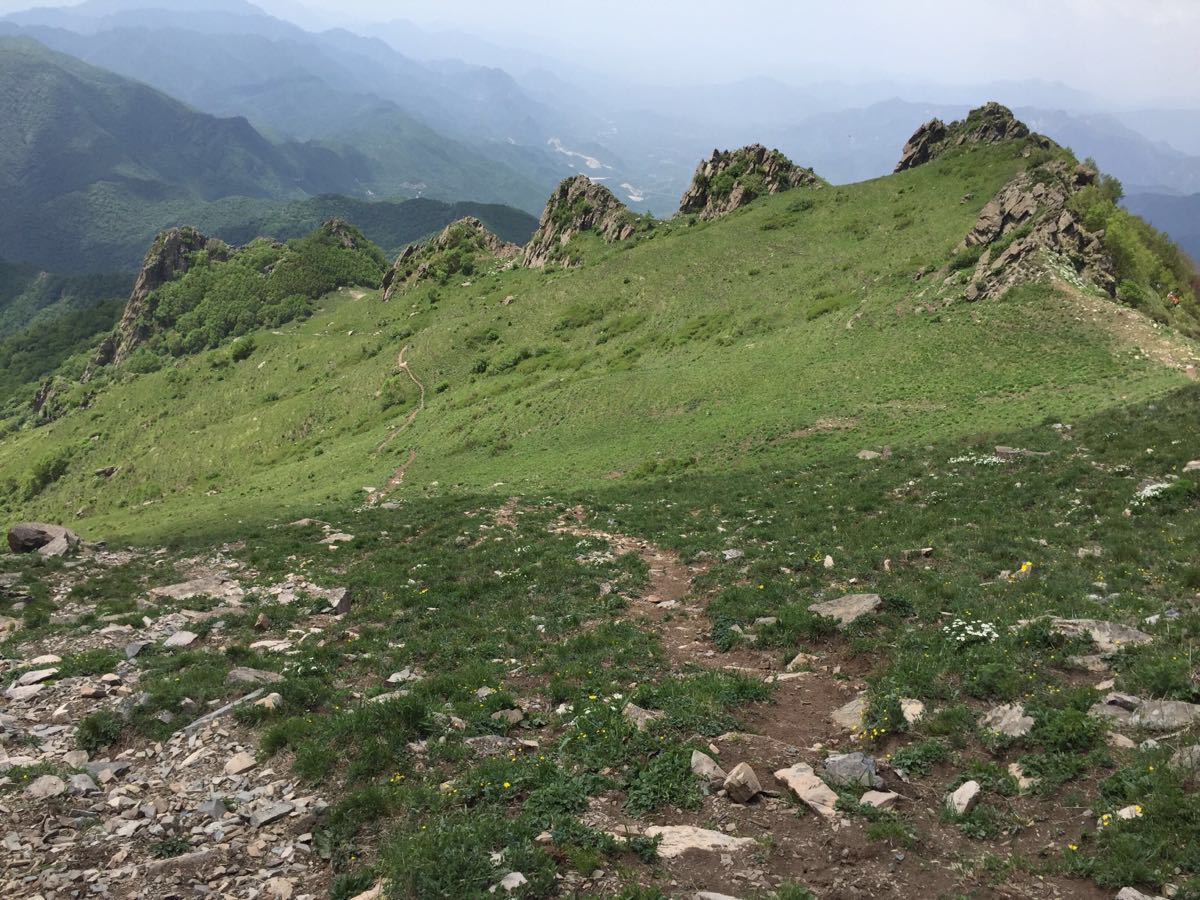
[[705, 767], [75, 758], [510, 882], [243, 675], [912, 710], [280, 888], [25, 692], [742, 786], [213, 807], [133, 649], [1023, 781], [965, 799], [49, 659], [46, 787], [846, 769], [732, 555], [484, 692], [242, 762], [270, 812], [271, 702], [404, 676], [850, 717], [642, 718], [1008, 721], [508, 716], [180, 639], [847, 609], [83, 784], [869, 455], [879, 799], [805, 784]]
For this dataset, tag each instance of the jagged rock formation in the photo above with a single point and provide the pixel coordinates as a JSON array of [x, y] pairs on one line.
[[989, 124], [169, 257], [577, 205], [462, 247], [730, 179], [1028, 224]]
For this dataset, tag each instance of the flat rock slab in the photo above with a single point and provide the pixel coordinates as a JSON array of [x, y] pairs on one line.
[[679, 839], [37, 676], [879, 799], [1009, 720], [815, 793], [180, 639], [849, 608], [268, 813], [242, 762], [1109, 637], [850, 717], [24, 692], [220, 586], [852, 769], [244, 675], [965, 798], [1165, 715], [46, 787]]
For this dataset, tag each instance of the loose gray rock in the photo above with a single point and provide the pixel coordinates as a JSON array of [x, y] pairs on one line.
[[1109, 637], [811, 790], [642, 718], [1009, 720], [705, 767], [965, 799], [83, 784], [847, 609], [270, 812], [180, 639], [1165, 715], [850, 717], [879, 799], [243, 675], [742, 785], [858, 769], [46, 787]]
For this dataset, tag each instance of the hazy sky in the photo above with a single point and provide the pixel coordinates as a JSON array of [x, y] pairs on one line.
[[1123, 50]]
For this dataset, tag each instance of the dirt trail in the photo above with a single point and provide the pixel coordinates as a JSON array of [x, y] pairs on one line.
[[402, 365]]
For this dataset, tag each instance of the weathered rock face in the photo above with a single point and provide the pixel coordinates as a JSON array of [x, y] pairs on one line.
[[990, 124], [577, 206], [1035, 205], [169, 257], [732, 178], [463, 247]]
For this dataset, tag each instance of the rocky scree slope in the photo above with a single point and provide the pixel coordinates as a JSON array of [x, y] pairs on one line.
[[463, 247], [732, 178]]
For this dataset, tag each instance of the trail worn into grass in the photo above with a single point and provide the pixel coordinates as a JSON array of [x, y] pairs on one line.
[[397, 478]]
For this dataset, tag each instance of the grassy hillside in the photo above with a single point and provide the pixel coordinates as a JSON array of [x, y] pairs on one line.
[[552, 493], [790, 331]]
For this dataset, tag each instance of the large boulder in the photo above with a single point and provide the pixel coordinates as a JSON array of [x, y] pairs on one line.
[[732, 178], [48, 540], [577, 206], [463, 248], [989, 124]]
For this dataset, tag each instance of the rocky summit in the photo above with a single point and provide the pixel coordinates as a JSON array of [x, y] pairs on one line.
[[989, 124], [465, 248], [730, 179], [170, 256], [579, 206]]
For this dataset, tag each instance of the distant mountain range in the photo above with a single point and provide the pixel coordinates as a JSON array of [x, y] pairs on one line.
[[92, 165], [400, 114]]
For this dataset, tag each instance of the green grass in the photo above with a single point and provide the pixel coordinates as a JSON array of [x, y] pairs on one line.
[[717, 371]]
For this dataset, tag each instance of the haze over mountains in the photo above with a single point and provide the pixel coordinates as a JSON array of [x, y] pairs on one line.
[[396, 115]]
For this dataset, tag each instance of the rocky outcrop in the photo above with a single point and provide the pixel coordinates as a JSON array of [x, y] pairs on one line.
[[1029, 227], [732, 178], [47, 540], [462, 247], [577, 206], [989, 124], [169, 256]]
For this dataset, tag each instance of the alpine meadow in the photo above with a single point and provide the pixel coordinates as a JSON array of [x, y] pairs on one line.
[[386, 534]]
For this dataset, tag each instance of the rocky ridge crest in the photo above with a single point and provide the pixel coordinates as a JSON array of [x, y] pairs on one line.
[[991, 123], [578, 205], [1028, 219], [730, 179], [461, 247]]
